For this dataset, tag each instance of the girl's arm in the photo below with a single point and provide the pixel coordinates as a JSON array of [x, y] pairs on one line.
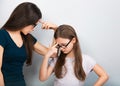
[[38, 47], [1, 75], [46, 70], [103, 77]]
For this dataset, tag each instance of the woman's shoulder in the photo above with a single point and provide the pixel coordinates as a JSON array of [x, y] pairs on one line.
[[2, 32], [3, 37]]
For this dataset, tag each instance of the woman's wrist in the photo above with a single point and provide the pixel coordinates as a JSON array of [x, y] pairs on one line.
[[55, 27]]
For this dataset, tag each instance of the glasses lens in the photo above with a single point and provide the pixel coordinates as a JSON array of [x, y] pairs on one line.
[[58, 46], [68, 43]]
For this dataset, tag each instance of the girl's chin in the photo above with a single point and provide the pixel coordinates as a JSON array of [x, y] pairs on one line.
[[65, 52]]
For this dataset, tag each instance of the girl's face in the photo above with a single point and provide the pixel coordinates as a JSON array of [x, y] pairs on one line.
[[66, 45], [27, 29]]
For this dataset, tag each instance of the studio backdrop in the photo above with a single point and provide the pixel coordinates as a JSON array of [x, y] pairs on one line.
[[97, 23]]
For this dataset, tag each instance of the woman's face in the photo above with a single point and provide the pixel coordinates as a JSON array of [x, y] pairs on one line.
[[66, 45], [27, 29]]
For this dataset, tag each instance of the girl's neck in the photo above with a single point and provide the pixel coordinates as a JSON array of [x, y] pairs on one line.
[[71, 55]]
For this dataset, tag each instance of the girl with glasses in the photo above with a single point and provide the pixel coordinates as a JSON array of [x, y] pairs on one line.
[[71, 67]]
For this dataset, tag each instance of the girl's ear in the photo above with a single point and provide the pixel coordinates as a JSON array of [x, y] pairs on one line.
[[74, 40]]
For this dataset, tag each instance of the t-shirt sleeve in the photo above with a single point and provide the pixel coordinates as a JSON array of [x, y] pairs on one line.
[[52, 62], [3, 41], [88, 63]]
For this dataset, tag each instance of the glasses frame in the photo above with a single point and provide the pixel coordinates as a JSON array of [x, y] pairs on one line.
[[34, 24], [64, 46]]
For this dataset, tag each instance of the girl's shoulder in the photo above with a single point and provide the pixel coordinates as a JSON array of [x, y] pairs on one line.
[[87, 57], [88, 63]]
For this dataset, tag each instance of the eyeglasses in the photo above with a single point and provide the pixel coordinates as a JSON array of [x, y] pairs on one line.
[[35, 24], [63, 46]]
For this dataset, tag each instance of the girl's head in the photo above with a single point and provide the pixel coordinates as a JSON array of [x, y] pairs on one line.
[[67, 40], [25, 14]]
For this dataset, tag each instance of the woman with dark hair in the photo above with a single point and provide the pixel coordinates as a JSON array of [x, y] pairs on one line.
[[71, 67], [16, 43]]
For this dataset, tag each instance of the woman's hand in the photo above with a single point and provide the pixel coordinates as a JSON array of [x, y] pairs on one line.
[[48, 25]]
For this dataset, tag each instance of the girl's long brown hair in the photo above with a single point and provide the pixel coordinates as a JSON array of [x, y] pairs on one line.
[[66, 31], [23, 15]]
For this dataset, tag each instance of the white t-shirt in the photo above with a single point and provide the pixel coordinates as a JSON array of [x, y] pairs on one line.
[[70, 79]]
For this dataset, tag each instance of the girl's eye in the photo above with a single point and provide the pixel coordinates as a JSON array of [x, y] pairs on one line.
[[63, 45]]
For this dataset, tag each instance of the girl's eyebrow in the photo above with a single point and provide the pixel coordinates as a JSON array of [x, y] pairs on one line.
[[63, 43]]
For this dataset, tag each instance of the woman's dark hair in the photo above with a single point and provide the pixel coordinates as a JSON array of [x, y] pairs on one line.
[[68, 32], [23, 15]]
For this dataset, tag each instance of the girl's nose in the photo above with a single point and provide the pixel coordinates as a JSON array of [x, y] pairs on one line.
[[62, 49]]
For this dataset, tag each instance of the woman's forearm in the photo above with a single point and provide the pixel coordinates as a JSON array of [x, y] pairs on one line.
[[1, 79]]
